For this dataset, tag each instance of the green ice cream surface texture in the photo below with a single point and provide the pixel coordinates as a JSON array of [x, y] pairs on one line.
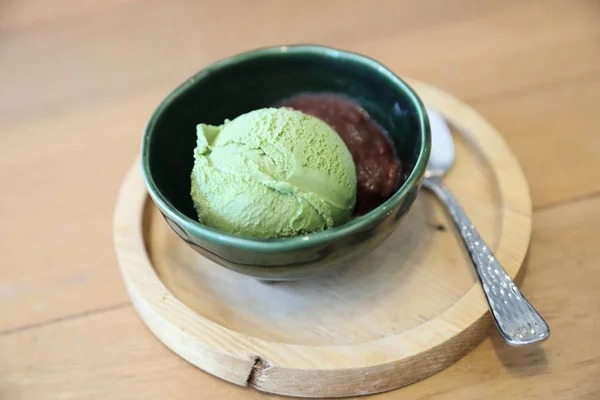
[[272, 173]]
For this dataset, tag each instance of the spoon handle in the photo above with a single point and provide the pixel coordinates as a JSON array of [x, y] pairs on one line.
[[518, 322]]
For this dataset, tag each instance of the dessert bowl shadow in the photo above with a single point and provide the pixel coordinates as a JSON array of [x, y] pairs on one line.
[[258, 79]]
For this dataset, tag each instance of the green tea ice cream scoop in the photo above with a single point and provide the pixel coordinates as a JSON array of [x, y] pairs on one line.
[[271, 173]]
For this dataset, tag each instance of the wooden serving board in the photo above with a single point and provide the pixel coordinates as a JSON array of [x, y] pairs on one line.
[[400, 314]]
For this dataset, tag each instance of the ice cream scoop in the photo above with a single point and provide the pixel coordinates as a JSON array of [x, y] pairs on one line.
[[272, 173]]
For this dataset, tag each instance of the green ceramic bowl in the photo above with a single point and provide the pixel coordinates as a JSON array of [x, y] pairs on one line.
[[257, 79]]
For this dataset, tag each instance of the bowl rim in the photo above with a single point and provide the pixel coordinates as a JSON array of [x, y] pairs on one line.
[[302, 241]]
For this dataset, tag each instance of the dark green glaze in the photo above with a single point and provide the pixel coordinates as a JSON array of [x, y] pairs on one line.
[[258, 79]]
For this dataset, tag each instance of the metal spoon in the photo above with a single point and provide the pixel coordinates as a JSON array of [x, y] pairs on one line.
[[518, 322]]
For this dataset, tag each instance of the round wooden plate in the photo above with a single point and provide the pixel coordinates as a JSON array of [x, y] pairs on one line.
[[400, 314]]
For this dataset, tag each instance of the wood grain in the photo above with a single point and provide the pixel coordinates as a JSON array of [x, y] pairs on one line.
[[79, 79], [554, 132], [76, 358], [345, 334], [86, 106]]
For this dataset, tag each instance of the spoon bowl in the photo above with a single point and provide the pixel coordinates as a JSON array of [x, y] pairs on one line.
[[442, 154]]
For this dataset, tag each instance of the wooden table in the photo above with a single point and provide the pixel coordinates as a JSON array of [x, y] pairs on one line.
[[78, 79]]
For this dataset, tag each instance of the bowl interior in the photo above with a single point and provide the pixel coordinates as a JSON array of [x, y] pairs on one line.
[[262, 78]]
